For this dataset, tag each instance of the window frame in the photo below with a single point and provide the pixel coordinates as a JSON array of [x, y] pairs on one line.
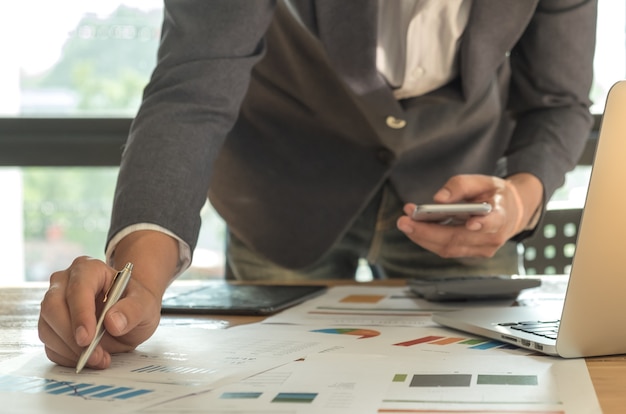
[[64, 142]]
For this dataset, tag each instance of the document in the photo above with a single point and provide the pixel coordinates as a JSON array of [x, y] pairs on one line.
[[372, 306], [353, 350], [408, 342], [344, 384], [177, 361]]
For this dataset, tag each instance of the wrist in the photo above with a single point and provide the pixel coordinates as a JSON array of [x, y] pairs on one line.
[[528, 191], [154, 256]]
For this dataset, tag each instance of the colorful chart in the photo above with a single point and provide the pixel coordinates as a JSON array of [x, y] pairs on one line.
[[362, 299], [363, 333], [471, 343], [465, 380], [295, 397], [176, 370], [240, 395], [281, 397], [33, 385]]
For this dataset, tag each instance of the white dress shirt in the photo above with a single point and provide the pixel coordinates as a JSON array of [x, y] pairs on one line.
[[418, 43]]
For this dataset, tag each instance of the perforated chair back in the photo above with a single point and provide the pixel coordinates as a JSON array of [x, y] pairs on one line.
[[551, 249]]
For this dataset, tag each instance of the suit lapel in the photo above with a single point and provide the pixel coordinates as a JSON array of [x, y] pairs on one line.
[[348, 26], [348, 31], [344, 28], [494, 27]]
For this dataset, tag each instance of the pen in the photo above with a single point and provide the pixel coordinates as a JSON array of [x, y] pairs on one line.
[[113, 294]]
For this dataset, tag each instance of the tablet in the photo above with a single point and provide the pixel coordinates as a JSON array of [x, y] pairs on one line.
[[221, 297]]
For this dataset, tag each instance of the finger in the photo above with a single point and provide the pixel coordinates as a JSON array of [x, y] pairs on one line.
[[58, 350], [55, 332], [457, 247], [132, 320], [88, 278], [54, 326], [438, 233], [504, 218], [131, 310], [490, 223], [99, 359], [468, 187], [452, 241], [59, 358], [409, 208]]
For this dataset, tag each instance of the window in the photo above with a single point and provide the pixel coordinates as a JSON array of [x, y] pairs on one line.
[[610, 56], [71, 79], [70, 84], [76, 58], [609, 67]]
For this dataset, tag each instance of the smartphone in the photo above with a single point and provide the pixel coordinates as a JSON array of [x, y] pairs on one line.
[[455, 213]]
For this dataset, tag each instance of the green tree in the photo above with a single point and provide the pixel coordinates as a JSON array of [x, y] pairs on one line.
[[73, 201], [106, 62]]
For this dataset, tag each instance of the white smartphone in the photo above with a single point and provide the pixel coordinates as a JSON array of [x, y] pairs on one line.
[[455, 213]]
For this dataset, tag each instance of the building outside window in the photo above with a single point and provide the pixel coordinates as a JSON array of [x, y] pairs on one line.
[[70, 59]]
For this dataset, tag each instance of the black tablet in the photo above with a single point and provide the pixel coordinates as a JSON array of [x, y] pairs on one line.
[[221, 297]]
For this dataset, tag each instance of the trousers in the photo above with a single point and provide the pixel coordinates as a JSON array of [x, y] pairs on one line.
[[372, 238]]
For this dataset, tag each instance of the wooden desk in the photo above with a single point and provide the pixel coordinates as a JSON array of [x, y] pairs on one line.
[[19, 312]]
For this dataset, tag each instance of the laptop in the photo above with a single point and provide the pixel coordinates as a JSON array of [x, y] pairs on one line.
[[592, 319]]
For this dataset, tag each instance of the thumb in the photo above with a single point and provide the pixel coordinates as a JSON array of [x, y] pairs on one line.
[[466, 187], [126, 314], [116, 322], [133, 319]]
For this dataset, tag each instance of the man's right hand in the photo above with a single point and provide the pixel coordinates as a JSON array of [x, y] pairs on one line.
[[70, 307]]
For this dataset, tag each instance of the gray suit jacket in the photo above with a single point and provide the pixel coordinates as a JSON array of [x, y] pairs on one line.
[[280, 112]]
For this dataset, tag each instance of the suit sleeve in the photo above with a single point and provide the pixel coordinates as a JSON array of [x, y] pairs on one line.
[[207, 51], [552, 72]]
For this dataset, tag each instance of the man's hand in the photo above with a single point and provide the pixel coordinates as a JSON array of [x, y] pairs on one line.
[[515, 201], [70, 307]]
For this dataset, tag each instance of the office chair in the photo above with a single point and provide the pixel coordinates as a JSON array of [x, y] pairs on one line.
[[551, 249]]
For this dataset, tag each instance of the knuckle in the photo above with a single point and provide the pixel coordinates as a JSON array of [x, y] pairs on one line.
[[80, 260], [57, 277], [47, 305], [41, 331], [50, 301]]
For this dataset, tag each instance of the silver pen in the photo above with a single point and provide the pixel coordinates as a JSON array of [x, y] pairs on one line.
[[113, 294]]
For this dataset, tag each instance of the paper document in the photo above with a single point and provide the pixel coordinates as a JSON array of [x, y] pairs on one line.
[[175, 362], [355, 349], [369, 305], [349, 384]]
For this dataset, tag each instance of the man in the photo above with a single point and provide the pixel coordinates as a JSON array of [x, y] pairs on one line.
[[313, 124]]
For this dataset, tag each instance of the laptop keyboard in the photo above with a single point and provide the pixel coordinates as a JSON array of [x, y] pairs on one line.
[[547, 329]]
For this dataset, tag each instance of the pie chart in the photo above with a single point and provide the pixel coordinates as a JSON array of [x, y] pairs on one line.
[[362, 333]]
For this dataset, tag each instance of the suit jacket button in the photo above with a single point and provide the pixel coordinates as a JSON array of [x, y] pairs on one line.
[[385, 156], [395, 123]]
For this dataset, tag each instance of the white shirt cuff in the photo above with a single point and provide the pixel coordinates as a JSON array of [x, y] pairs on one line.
[[184, 252]]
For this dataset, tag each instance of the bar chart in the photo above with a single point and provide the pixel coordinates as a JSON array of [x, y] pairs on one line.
[[86, 390]]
